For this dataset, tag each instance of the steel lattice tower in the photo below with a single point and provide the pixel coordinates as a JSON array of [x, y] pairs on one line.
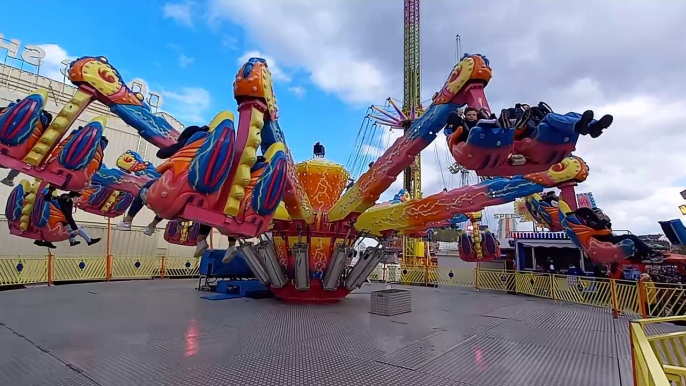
[[412, 107]]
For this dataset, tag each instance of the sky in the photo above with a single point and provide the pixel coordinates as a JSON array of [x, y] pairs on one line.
[[332, 59]]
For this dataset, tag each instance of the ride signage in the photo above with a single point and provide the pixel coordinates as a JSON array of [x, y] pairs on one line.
[[31, 54]]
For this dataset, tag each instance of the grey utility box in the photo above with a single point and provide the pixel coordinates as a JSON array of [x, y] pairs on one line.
[[391, 302]]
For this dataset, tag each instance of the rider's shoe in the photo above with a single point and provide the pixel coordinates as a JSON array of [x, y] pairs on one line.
[[123, 226], [596, 128], [229, 255], [149, 230], [504, 119], [200, 248], [582, 125]]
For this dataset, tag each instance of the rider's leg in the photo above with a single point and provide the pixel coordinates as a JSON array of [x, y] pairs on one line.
[[201, 245], [9, 180], [150, 229], [135, 207], [230, 251], [84, 235]]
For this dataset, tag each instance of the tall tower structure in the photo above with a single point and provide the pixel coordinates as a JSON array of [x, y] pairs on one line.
[[412, 105], [412, 109]]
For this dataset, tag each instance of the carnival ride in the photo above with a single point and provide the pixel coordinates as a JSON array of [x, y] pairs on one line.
[[558, 215], [216, 180]]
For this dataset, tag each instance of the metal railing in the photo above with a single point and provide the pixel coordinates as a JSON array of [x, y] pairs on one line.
[[50, 269], [660, 359]]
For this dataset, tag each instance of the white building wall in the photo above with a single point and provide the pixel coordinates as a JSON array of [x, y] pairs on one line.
[[15, 84]]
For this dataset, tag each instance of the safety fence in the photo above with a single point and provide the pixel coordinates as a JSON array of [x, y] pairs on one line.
[[20, 270], [621, 296], [658, 359]]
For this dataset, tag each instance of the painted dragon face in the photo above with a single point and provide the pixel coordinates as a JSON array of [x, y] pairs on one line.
[[132, 162], [471, 69], [99, 74], [255, 80], [571, 169]]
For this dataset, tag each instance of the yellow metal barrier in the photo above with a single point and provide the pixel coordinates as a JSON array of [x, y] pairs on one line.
[[583, 290], [79, 268], [413, 275], [627, 297], [20, 270], [663, 299], [658, 360], [180, 267], [535, 284], [454, 277], [497, 280], [136, 268]]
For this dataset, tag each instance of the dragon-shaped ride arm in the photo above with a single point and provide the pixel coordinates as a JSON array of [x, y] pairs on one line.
[[253, 90], [130, 175], [442, 209], [96, 76], [464, 86]]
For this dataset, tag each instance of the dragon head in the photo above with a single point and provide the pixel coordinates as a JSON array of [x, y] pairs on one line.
[[471, 70], [571, 169], [255, 80], [99, 74], [132, 162]]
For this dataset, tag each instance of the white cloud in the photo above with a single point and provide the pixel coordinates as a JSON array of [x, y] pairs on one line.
[[52, 66], [190, 104], [298, 91], [354, 50], [277, 73], [185, 61], [182, 13], [230, 42]]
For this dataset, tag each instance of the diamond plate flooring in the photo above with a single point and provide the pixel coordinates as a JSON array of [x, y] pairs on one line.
[[161, 333]]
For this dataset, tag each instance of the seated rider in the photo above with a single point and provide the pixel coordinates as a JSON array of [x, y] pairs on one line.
[[65, 204], [456, 123], [551, 198], [137, 204], [525, 119], [596, 219], [163, 153]]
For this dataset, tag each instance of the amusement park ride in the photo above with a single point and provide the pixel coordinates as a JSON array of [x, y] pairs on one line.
[[305, 223]]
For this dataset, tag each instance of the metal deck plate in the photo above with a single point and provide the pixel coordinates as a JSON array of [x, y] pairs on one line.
[[162, 333]]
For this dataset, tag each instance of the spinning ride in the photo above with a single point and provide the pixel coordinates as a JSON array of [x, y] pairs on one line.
[[216, 180], [559, 216]]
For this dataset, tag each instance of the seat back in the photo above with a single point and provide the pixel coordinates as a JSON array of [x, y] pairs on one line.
[[674, 231]]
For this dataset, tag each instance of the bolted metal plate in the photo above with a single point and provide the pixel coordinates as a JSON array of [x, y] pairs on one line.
[[160, 332]]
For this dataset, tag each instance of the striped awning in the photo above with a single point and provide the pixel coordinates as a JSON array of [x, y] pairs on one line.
[[549, 243], [539, 235]]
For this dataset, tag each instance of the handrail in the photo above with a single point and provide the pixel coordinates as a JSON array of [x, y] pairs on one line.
[[657, 359], [647, 368]]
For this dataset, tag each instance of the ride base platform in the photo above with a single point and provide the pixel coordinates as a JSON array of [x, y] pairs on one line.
[[160, 332]]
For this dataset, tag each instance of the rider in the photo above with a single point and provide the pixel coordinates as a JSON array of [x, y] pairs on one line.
[[596, 219], [65, 204], [456, 122], [163, 153], [551, 198]]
